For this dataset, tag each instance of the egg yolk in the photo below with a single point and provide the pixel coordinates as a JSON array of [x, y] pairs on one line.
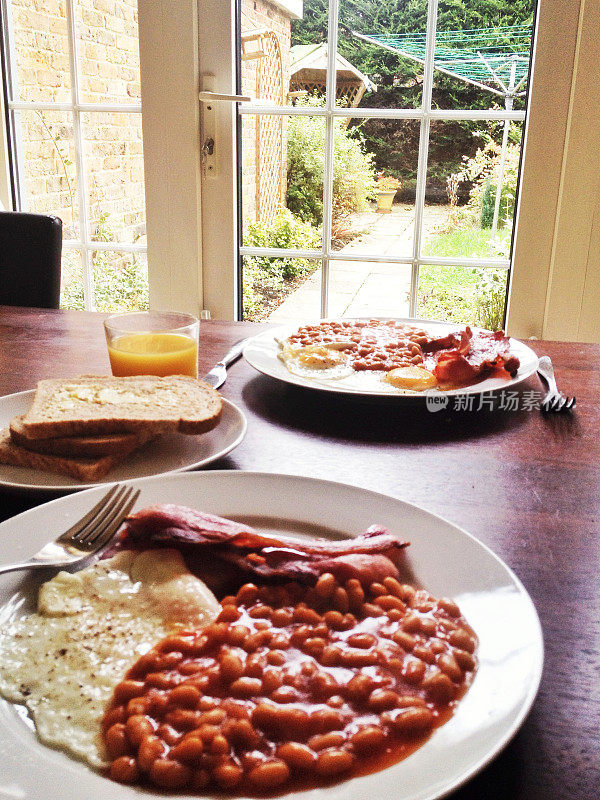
[[416, 378], [319, 357]]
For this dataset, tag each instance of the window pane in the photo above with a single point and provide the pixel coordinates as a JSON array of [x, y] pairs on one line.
[[465, 216], [71, 280], [462, 294], [375, 74], [114, 167], [282, 181], [281, 289], [266, 54], [366, 289], [374, 183], [308, 56], [483, 46], [108, 51], [41, 42], [120, 281], [47, 166]]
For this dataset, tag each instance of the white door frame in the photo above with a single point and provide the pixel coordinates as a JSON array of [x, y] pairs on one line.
[[169, 68]]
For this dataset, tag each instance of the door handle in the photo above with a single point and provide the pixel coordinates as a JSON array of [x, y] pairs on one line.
[[217, 97]]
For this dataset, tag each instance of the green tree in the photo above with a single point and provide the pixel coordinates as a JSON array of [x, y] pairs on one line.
[[399, 80]]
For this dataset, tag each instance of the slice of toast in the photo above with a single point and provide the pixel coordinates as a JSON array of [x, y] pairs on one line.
[[91, 405], [78, 446], [87, 470]]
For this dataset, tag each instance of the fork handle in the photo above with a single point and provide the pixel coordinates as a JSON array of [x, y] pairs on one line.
[[546, 371], [29, 565]]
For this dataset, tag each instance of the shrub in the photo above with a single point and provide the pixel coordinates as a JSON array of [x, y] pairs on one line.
[[447, 294], [471, 296], [120, 279], [483, 170], [286, 232], [490, 297], [264, 278], [353, 170], [120, 284]]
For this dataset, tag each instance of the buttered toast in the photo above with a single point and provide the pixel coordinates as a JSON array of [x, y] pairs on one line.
[[98, 405], [78, 446]]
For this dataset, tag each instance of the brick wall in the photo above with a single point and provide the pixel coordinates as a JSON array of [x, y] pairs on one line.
[[112, 142]]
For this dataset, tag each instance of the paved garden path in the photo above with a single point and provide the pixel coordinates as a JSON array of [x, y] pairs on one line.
[[365, 288]]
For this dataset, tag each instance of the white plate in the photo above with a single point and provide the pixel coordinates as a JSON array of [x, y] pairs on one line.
[[172, 452], [262, 351], [445, 559]]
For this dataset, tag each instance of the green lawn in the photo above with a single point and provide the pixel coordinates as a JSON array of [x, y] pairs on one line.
[[463, 294], [467, 243]]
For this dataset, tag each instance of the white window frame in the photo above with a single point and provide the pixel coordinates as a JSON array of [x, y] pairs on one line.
[[83, 242], [424, 115]]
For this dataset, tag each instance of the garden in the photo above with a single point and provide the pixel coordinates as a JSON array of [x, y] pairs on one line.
[[458, 294], [373, 157]]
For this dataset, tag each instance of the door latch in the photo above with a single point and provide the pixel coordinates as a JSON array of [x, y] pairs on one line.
[[209, 100]]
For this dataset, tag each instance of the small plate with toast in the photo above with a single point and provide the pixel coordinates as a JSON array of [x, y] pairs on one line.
[[73, 434]]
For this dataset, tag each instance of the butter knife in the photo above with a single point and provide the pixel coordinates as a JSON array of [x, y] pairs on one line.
[[218, 374]]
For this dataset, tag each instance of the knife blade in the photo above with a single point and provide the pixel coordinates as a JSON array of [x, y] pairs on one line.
[[218, 374]]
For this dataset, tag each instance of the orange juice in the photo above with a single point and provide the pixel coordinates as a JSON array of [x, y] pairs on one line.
[[153, 354]]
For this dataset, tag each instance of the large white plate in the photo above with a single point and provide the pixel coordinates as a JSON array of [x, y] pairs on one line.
[[262, 351], [173, 452], [444, 558]]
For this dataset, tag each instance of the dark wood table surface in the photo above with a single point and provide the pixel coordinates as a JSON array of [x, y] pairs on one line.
[[525, 484]]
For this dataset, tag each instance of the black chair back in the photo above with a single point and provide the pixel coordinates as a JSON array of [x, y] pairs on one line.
[[30, 254]]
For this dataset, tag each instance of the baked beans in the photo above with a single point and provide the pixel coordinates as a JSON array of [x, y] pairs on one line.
[[343, 679], [373, 345]]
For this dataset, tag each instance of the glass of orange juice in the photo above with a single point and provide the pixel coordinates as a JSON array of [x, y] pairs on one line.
[[152, 343]]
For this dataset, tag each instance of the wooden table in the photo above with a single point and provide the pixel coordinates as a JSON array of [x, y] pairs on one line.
[[526, 485]]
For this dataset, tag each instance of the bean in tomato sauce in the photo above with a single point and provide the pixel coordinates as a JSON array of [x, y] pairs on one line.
[[369, 345], [291, 688]]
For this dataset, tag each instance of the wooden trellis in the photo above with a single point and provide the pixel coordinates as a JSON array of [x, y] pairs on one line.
[[270, 172]]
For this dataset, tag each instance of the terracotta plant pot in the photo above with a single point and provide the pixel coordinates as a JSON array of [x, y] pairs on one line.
[[385, 200]]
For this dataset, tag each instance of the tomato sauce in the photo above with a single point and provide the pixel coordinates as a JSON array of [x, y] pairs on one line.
[[292, 688], [373, 345]]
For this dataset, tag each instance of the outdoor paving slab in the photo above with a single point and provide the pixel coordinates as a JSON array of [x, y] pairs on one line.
[[365, 288], [382, 294]]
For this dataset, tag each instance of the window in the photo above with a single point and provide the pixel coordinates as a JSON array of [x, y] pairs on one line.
[[74, 112], [191, 217], [346, 94]]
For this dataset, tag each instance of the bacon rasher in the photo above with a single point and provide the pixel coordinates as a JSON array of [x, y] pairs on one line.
[[220, 546], [462, 358]]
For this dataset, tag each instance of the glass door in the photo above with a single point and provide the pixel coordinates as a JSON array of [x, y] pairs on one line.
[[379, 157]]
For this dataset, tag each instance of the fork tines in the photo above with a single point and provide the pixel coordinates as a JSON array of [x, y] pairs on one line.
[[557, 404]]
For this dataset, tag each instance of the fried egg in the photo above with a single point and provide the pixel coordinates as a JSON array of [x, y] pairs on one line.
[[416, 378], [322, 361], [64, 661]]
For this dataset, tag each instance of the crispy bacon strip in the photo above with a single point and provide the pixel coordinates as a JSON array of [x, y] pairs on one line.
[[216, 544], [474, 355]]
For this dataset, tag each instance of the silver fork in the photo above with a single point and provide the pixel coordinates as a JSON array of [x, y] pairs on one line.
[[87, 536], [554, 400]]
